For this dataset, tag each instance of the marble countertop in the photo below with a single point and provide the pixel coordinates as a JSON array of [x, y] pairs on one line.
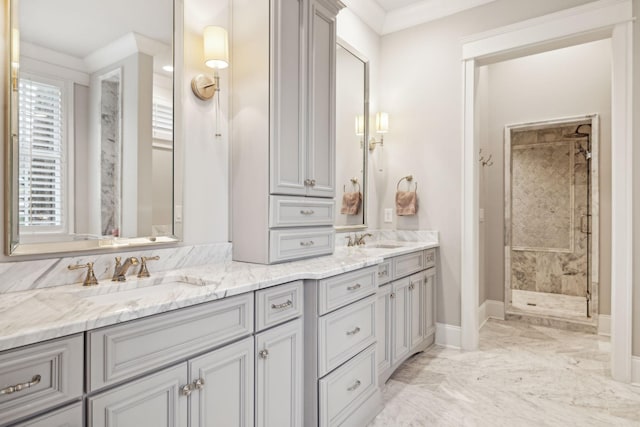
[[36, 315]]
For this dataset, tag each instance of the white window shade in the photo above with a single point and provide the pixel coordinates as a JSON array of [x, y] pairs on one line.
[[42, 157], [162, 120]]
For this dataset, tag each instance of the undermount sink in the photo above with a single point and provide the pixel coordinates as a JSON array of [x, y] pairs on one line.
[[135, 293], [383, 246]]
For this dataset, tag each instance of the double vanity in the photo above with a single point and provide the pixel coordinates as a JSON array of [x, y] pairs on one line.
[[302, 343]]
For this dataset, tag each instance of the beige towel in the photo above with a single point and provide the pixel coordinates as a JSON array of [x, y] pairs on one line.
[[406, 203], [351, 203]]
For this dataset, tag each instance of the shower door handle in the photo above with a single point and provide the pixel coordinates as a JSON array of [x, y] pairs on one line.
[[585, 226]]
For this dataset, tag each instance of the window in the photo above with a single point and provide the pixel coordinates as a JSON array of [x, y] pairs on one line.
[[162, 119], [42, 155]]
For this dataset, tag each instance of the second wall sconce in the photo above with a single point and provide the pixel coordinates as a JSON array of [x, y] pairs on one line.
[[382, 127], [216, 56]]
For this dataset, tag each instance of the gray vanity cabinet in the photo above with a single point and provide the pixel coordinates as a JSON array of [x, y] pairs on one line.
[[69, 416], [154, 400], [279, 376], [283, 127], [405, 311]]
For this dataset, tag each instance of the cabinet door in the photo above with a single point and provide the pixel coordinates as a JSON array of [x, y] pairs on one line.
[[401, 327], [383, 329], [155, 400], [322, 132], [429, 308], [417, 291], [279, 378], [225, 397], [288, 146]]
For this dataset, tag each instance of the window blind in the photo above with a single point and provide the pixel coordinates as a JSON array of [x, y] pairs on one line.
[[41, 154], [162, 120]]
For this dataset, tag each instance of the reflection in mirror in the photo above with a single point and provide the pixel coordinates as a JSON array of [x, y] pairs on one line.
[[91, 124], [352, 105]]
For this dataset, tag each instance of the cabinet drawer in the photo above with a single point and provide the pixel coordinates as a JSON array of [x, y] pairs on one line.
[[408, 264], [430, 258], [40, 376], [278, 304], [292, 244], [69, 416], [344, 333], [384, 272], [338, 291], [123, 351], [345, 390], [300, 211]]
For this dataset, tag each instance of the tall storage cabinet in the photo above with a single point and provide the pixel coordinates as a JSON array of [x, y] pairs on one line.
[[283, 138]]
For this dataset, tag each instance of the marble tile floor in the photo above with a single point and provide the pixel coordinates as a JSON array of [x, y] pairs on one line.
[[522, 375]]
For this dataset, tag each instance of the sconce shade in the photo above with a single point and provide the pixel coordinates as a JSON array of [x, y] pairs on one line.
[[360, 125], [382, 122], [15, 47], [216, 47]]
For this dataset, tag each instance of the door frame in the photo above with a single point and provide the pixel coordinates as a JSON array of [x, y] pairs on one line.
[[594, 211], [604, 19]]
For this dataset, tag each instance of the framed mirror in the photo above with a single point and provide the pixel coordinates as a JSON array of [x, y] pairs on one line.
[[352, 134], [91, 136]]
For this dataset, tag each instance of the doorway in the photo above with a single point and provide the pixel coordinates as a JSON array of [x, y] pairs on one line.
[[551, 213]]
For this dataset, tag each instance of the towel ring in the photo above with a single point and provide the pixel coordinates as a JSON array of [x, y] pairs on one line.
[[409, 179], [354, 182]]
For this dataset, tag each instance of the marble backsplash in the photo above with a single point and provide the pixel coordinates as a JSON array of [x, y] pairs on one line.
[[399, 235], [37, 274]]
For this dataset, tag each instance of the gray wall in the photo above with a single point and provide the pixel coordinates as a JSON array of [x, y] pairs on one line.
[[422, 91]]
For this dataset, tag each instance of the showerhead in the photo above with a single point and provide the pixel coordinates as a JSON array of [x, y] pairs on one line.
[[577, 134]]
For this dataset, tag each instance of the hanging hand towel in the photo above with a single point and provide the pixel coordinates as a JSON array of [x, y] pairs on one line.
[[406, 203], [351, 203]]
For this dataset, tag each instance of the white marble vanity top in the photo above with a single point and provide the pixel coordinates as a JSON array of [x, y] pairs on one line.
[[36, 315]]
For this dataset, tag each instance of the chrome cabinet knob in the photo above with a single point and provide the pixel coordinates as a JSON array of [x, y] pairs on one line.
[[186, 390], [263, 353], [198, 384]]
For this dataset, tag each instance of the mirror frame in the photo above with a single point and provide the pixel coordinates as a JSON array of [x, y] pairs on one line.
[[12, 245], [365, 161]]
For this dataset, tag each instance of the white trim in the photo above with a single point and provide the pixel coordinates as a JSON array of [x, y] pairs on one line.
[[122, 48], [369, 11], [635, 370], [448, 335], [495, 309], [597, 20], [490, 309], [604, 325]]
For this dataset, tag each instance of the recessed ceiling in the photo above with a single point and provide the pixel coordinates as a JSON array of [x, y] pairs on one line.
[[389, 5], [388, 16]]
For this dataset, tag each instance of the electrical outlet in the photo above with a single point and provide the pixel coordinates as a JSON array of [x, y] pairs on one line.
[[388, 215]]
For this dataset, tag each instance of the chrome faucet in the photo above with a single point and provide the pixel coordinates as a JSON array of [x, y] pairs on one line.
[[120, 272], [360, 239], [350, 241]]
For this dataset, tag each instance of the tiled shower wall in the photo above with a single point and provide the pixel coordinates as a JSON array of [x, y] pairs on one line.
[[549, 196]]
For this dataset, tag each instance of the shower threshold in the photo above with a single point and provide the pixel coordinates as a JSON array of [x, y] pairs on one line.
[[543, 308]]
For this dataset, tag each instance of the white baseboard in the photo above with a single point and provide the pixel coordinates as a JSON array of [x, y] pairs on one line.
[[635, 370], [604, 325], [490, 309], [448, 335]]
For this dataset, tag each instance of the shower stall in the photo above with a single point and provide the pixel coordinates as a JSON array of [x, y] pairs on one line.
[[551, 222]]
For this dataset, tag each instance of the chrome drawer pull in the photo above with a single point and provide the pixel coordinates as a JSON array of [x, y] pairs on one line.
[[355, 331], [309, 212], [354, 287], [283, 305], [19, 387], [307, 243], [355, 386], [383, 273], [263, 353], [186, 390]]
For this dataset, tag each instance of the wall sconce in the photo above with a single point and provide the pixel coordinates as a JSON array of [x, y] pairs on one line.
[[216, 56], [382, 127], [360, 128]]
